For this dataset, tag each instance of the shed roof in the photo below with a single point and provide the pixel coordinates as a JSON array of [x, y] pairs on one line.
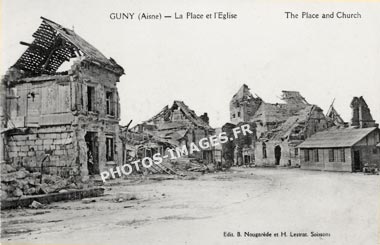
[[345, 137]]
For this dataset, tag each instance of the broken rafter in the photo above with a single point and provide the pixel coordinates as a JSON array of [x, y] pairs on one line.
[[53, 45], [331, 106], [46, 53], [25, 43]]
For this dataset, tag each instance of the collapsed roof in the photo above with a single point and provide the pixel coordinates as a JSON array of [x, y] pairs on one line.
[[165, 129], [293, 97], [53, 45], [190, 114], [288, 120], [297, 121], [187, 112], [244, 94], [334, 116]]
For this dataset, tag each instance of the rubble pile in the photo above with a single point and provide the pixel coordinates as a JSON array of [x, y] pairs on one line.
[[192, 164], [20, 182]]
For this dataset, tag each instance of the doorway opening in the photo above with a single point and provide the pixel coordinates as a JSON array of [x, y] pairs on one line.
[[92, 153], [357, 163], [277, 154], [247, 159]]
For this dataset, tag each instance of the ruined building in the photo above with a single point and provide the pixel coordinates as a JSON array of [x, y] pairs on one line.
[[361, 114], [243, 105], [177, 126], [63, 123], [279, 127]]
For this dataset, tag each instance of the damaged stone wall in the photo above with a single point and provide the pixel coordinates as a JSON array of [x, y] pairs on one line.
[[195, 135], [228, 148], [58, 126], [243, 144], [289, 154], [103, 122], [52, 114], [243, 105], [361, 114], [279, 127], [287, 135], [29, 150], [101, 133]]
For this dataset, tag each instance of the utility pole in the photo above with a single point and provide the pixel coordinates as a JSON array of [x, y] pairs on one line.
[[3, 119]]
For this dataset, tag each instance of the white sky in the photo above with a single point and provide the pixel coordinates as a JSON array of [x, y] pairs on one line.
[[204, 62]]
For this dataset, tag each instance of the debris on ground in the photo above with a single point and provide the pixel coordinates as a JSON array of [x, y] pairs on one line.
[[88, 200], [36, 205], [20, 182], [201, 167], [370, 169], [160, 177], [123, 197]]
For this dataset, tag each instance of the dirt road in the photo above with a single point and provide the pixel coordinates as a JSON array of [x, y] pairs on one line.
[[212, 209]]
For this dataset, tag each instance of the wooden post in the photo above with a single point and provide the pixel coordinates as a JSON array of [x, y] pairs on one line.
[[3, 119]]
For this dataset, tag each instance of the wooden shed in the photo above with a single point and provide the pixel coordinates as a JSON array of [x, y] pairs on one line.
[[342, 149]]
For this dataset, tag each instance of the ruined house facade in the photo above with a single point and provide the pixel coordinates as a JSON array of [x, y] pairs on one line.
[[279, 127], [64, 123], [282, 128], [178, 126]]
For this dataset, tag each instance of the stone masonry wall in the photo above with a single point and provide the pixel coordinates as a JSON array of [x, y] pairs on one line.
[[28, 150], [288, 154]]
